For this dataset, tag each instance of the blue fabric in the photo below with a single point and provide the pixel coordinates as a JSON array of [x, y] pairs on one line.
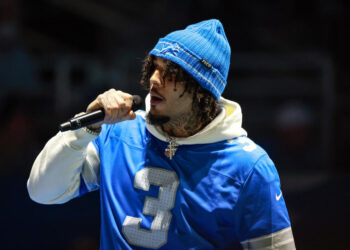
[[82, 188], [226, 192], [202, 50]]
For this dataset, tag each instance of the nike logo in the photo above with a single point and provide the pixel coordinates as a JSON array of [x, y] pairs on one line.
[[278, 197]]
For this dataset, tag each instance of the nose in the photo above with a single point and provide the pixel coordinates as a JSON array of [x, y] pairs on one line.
[[156, 79]]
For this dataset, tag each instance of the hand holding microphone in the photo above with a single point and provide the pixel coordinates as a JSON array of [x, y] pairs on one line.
[[110, 107]]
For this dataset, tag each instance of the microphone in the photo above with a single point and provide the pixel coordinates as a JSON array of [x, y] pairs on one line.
[[94, 117]]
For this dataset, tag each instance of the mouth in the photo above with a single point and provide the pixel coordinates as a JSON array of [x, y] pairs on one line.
[[156, 99]]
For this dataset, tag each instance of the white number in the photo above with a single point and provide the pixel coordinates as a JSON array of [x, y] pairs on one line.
[[159, 208], [250, 145]]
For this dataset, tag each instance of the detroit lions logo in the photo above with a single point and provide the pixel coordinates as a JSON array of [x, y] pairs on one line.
[[172, 49]]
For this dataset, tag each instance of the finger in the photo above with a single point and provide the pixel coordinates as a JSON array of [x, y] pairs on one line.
[[94, 105], [122, 106], [116, 104], [106, 105], [130, 116], [114, 107], [128, 100]]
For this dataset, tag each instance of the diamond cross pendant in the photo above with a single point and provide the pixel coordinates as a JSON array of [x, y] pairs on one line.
[[171, 149]]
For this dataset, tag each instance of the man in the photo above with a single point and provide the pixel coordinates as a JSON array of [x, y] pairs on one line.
[[181, 175]]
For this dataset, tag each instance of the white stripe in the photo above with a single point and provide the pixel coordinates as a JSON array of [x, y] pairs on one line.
[[279, 240], [194, 70]]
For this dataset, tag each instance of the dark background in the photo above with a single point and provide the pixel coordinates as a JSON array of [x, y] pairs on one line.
[[289, 72]]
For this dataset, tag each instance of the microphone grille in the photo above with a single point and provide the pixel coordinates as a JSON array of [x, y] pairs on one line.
[[136, 102]]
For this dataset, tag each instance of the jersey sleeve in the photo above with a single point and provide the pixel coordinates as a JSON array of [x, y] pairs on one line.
[[262, 214], [67, 167]]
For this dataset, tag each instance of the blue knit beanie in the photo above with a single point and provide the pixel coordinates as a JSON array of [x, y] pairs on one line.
[[202, 50]]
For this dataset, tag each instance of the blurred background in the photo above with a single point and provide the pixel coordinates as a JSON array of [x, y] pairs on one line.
[[289, 72]]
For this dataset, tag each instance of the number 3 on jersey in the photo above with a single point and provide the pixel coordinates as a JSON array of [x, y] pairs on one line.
[[159, 208]]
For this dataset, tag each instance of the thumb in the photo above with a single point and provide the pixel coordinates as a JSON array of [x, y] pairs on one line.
[[131, 115]]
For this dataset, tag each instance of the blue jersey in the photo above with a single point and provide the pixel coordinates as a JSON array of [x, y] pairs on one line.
[[213, 195]]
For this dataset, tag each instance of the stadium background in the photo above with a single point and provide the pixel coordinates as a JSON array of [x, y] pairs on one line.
[[289, 72]]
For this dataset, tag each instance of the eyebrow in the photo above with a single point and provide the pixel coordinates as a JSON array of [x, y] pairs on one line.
[[156, 64]]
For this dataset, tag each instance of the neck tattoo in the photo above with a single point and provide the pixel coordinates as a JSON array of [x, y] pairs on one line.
[[183, 126]]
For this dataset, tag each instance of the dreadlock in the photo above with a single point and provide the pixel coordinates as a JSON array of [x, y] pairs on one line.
[[207, 108]]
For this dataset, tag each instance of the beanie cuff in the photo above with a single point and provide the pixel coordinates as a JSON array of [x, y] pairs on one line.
[[199, 68]]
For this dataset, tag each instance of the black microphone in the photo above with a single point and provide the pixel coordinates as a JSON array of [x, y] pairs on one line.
[[94, 117]]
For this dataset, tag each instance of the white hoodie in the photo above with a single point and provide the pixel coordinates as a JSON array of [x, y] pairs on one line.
[[55, 175]]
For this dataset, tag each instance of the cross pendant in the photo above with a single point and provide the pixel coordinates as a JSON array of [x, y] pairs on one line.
[[171, 149]]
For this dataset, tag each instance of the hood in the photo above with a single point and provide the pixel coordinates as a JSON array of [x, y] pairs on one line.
[[227, 125]]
